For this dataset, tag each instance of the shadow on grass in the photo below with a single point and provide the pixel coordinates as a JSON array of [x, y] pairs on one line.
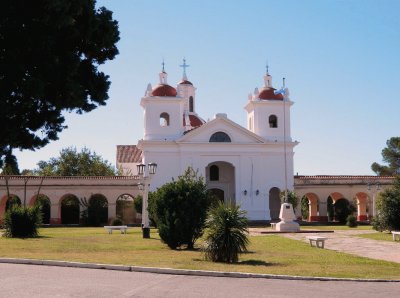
[[246, 263], [256, 263]]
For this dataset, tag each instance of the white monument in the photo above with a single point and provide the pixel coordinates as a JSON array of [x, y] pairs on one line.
[[287, 217]]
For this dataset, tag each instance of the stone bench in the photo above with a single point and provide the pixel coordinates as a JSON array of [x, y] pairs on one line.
[[123, 229], [396, 235], [318, 240]]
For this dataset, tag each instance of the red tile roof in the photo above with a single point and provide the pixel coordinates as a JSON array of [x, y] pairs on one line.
[[128, 154], [164, 90]]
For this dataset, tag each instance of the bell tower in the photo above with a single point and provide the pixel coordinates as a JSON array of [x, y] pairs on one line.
[[163, 110], [268, 111]]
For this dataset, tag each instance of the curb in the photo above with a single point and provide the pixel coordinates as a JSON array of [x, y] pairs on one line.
[[180, 271]]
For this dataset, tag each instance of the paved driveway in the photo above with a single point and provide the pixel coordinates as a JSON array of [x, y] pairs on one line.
[[348, 242], [43, 281]]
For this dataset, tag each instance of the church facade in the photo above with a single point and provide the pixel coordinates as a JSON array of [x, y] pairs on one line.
[[247, 166]]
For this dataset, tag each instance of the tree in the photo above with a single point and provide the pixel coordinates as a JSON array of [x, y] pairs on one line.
[[227, 234], [388, 209], [180, 209], [10, 164], [49, 58], [291, 198], [74, 163], [391, 156]]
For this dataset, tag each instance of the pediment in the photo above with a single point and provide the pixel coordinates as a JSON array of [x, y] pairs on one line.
[[236, 133]]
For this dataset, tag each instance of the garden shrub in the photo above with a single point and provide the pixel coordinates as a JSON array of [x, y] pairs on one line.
[[227, 234], [388, 209], [304, 208], [116, 222], [179, 209], [22, 222], [351, 221]]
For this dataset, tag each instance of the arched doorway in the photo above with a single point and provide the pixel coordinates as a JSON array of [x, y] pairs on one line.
[[70, 210], [274, 203], [97, 210], [43, 202], [218, 194], [220, 179], [125, 209]]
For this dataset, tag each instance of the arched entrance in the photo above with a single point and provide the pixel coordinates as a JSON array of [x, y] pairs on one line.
[[125, 209], [43, 202], [70, 210], [220, 178], [274, 203], [218, 194], [97, 210]]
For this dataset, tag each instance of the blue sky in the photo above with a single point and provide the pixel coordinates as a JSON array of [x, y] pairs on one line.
[[341, 61]]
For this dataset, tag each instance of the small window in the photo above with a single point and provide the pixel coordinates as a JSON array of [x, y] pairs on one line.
[[214, 173], [164, 119], [273, 121], [191, 104], [220, 137]]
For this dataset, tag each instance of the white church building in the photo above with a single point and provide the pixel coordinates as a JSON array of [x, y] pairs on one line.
[[244, 166]]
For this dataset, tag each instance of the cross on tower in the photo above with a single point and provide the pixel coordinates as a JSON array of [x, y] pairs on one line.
[[184, 65], [163, 66], [267, 67]]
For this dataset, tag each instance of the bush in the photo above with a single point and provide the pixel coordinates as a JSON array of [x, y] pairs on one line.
[[351, 221], [305, 208], [179, 209], [20, 222], [343, 208], [291, 198], [388, 209], [227, 234], [116, 222], [138, 204]]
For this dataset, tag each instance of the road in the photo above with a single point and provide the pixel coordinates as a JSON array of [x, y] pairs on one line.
[[45, 281]]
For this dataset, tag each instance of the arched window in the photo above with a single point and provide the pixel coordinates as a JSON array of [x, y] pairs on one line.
[[220, 137], [164, 119], [191, 104], [273, 121], [214, 173]]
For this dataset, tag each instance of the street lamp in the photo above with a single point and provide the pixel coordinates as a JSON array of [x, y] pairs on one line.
[[144, 184], [284, 92], [373, 190]]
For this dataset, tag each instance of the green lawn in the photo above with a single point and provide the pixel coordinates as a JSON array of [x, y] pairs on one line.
[[336, 227], [268, 254]]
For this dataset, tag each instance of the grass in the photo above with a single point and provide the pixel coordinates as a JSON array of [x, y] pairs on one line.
[[336, 227], [268, 254]]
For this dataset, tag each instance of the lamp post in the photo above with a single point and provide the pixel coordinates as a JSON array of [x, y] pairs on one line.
[[374, 191], [283, 92], [145, 177]]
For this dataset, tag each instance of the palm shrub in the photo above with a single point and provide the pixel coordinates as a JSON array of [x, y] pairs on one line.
[[227, 234], [22, 222]]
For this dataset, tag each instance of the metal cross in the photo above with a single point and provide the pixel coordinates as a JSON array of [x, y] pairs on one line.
[[184, 65], [267, 67], [163, 66]]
